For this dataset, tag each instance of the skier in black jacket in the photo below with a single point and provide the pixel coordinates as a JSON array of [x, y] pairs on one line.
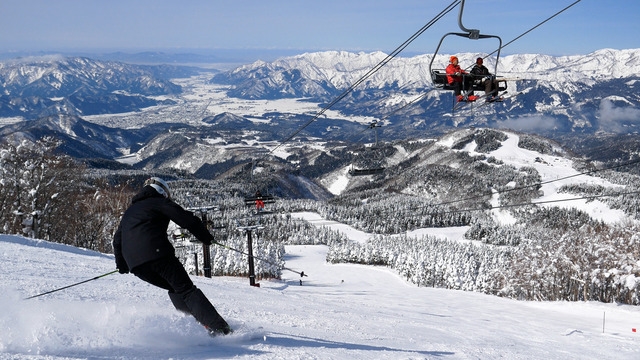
[[141, 246]]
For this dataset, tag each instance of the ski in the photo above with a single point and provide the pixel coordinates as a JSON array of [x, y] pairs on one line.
[[501, 98], [498, 98], [242, 335], [465, 102]]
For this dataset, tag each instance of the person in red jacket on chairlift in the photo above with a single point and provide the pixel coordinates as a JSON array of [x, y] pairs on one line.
[[460, 80]]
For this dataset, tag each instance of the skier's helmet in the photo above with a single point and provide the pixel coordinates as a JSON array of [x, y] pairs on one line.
[[159, 185]]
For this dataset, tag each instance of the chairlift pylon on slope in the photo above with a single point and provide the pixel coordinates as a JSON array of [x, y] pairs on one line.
[[439, 76], [370, 161]]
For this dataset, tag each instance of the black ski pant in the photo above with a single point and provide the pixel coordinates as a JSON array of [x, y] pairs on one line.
[[490, 87], [465, 85], [169, 274]]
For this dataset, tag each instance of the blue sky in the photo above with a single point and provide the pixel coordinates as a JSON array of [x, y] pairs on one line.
[[353, 25]]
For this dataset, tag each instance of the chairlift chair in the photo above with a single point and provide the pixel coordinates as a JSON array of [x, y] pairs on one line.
[[368, 162], [363, 172], [259, 201], [439, 76], [371, 163]]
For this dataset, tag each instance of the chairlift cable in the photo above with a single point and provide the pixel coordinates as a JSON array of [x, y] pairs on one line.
[[533, 28], [591, 197], [301, 273], [634, 162], [526, 32], [376, 68]]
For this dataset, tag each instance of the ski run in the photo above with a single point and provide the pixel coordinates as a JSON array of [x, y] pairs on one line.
[[341, 311]]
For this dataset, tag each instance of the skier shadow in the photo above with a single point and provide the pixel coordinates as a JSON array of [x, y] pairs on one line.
[[227, 349], [297, 341], [308, 283]]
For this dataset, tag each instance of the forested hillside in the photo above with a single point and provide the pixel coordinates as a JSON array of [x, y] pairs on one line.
[[539, 224]]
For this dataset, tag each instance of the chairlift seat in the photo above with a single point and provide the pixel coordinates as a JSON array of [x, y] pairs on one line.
[[362, 172], [266, 199], [439, 78]]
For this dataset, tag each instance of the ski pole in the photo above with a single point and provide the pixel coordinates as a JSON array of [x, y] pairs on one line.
[[68, 286], [301, 273]]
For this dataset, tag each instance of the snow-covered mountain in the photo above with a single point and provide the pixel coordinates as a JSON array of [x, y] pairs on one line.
[[562, 98], [36, 87], [80, 138], [582, 93], [340, 69], [63, 76]]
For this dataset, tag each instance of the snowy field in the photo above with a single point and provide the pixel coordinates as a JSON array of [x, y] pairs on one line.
[[200, 99], [339, 312]]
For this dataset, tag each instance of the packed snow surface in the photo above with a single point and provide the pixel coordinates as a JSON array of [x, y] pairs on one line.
[[341, 311]]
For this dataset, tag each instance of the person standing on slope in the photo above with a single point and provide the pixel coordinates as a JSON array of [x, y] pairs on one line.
[[140, 245]]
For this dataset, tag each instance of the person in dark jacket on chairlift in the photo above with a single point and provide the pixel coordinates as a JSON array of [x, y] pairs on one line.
[[484, 77]]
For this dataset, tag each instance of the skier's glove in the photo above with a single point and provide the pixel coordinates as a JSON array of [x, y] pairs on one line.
[[121, 265]]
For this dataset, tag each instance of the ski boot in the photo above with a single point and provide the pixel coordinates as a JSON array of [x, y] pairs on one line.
[[225, 330]]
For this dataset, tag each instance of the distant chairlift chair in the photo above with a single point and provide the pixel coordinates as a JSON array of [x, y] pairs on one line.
[[259, 202], [373, 164]]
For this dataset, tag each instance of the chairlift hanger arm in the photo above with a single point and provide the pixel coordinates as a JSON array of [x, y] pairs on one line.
[[472, 34], [466, 35]]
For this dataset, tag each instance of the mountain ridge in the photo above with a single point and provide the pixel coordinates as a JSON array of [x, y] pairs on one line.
[[572, 94], [597, 105], [342, 68], [51, 85]]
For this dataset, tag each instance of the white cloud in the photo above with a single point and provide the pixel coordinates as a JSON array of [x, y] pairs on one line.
[[528, 123], [612, 117]]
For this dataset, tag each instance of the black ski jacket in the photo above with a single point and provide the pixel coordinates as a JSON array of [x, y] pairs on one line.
[[480, 70], [142, 234]]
